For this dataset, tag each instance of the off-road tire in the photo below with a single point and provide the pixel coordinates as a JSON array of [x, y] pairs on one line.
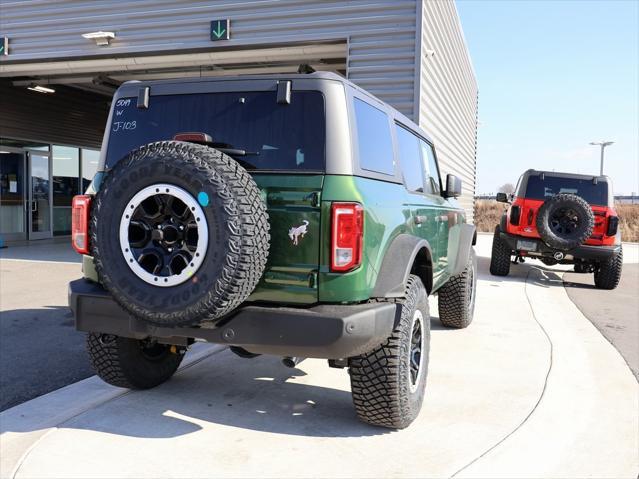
[[238, 231], [456, 298], [608, 274], [585, 219], [500, 256], [121, 361], [380, 379]]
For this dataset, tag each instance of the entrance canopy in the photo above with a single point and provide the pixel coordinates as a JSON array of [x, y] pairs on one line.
[[103, 75]]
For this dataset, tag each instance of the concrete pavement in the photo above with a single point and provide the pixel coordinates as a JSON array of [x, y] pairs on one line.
[[530, 389], [614, 313], [40, 350]]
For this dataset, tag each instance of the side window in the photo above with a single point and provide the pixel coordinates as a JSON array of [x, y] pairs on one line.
[[430, 165], [410, 159], [373, 138]]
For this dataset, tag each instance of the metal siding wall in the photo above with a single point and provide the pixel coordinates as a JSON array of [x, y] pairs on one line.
[[381, 33], [448, 95], [69, 117], [439, 92]]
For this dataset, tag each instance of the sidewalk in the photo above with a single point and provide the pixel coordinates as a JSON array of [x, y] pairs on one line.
[[530, 389]]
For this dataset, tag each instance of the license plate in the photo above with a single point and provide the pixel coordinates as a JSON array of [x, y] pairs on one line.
[[526, 245]]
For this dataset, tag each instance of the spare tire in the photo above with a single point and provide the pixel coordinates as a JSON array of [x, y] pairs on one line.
[[179, 233], [565, 221]]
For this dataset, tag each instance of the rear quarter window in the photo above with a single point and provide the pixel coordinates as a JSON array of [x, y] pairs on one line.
[[373, 138]]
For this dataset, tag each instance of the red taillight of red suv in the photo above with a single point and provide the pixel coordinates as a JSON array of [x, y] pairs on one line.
[[80, 223], [347, 233]]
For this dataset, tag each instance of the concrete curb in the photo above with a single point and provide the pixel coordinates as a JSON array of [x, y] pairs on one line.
[[22, 426]]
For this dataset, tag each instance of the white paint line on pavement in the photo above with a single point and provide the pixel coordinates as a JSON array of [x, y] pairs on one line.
[[586, 424], [541, 395]]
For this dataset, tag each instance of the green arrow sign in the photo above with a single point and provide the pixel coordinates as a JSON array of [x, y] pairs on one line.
[[220, 30]]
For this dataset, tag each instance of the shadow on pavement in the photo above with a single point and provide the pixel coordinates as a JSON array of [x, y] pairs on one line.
[[40, 351], [257, 394]]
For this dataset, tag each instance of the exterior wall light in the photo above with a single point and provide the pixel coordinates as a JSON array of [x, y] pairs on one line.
[[101, 38], [40, 89]]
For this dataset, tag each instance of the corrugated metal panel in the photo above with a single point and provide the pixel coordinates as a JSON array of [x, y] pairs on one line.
[[386, 42], [380, 33], [448, 95], [70, 116]]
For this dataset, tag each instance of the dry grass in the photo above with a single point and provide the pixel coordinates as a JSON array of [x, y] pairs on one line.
[[628, 221], [488, 213]]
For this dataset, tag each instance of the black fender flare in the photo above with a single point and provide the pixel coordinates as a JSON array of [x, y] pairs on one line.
[[467, 235], [398, 264], [504, 220]]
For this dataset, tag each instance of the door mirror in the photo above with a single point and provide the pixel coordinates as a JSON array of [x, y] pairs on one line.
[[453, 187], [502, 197]]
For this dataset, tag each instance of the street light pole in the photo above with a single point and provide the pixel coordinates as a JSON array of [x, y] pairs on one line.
[[603, 145]]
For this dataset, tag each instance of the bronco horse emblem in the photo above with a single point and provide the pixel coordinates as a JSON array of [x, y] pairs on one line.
[[297, 232]]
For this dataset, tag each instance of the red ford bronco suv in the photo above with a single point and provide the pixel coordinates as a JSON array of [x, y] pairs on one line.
[[561, 218], [296, 216]]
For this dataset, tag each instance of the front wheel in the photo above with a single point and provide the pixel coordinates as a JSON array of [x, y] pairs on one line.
[[456, 298], [131, 363], [608, 274], [388, 383]]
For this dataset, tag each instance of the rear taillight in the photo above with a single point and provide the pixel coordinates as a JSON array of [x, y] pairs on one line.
[[80, 223], [515, 212], [347, 226], [613, 225]]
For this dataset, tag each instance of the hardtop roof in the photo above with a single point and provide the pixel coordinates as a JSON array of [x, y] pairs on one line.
[[124, 89]]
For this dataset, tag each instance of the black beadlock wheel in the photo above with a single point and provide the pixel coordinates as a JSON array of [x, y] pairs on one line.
[[565, 221], [608, 273], [179, 233], [500, 256], [388, 383], [456, 298], [131, 363]]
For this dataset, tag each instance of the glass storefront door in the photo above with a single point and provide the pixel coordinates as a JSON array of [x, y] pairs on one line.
[[13, 195], [39, 195]]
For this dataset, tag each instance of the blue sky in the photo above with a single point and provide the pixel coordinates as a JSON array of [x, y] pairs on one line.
[[553, 76]]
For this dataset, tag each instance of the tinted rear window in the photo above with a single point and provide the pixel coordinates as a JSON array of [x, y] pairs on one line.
[[373, 138], [285, 137], [551, 185]]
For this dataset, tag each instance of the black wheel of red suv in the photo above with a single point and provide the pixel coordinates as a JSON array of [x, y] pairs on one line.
[[500, 256], [179, 233], [565, 221], [388, 383], [608, 273]]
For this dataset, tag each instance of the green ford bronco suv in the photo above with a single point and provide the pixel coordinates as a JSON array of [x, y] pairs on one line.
[[292, 215]]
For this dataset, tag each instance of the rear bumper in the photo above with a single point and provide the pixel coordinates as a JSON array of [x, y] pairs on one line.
[[323, 331], [583, 252]]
